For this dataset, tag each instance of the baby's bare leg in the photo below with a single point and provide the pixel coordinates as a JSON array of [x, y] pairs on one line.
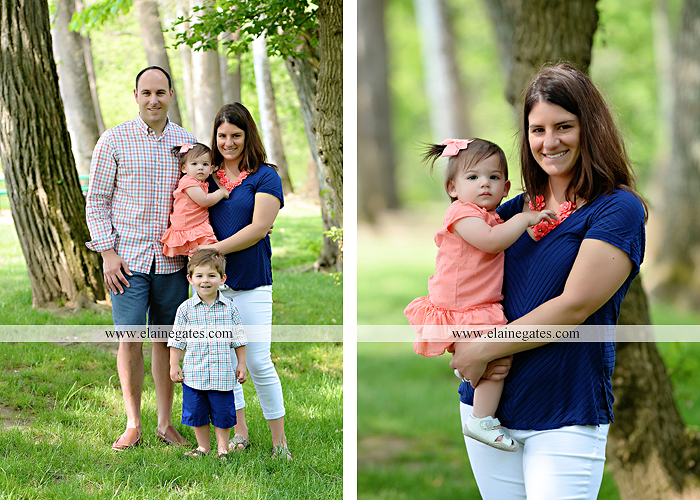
[[486, 397]]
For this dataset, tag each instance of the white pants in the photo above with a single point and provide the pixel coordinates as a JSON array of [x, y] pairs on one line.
[[558, 464], [255, 308]]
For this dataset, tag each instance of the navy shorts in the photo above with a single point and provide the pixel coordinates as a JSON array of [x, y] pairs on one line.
[[199, 407]]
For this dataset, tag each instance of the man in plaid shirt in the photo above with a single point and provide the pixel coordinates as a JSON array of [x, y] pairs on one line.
[[132, 178]]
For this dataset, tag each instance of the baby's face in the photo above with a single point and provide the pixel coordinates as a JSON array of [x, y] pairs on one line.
[[198, 167], [484, 184]]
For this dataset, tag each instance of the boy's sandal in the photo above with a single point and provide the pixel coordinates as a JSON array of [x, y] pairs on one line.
[[223, 456], [238, 444], [281, 450], [196, 453], [482, 429]]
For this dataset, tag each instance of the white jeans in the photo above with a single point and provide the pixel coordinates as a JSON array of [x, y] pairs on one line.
[[558, 464], [255, 308]]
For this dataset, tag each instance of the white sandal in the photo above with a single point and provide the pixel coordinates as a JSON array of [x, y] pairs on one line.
[[482, 429]]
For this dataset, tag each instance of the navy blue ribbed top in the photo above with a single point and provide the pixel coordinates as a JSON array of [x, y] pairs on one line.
[[251, 267], [564, 383]]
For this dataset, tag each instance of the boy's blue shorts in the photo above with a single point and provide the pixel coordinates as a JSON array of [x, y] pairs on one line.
[[198, 407]]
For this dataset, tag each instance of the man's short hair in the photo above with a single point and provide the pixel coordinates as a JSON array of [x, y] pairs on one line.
[[207, 257], [170, 82]]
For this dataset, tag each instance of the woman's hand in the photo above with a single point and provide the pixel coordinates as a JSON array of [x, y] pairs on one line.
[[467, 362], [498, 368]]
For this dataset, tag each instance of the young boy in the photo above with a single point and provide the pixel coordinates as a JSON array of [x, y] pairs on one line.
[[207, 377]]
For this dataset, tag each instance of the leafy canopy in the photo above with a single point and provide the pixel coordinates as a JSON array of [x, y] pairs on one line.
[[282, 22]]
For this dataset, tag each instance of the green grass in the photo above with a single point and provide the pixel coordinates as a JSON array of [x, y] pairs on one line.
[[71, 396], [62, 406]]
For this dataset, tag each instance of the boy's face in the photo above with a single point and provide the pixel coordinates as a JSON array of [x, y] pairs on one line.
[[206, 280]]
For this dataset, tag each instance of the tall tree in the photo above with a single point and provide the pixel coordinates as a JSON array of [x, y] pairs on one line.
[[375, 155], [443, 83], [268, 111], [74, 86], [206, 80], [231, 78], [47, 205], [154, 45], [649, 452], [316, 26], [678, 263]]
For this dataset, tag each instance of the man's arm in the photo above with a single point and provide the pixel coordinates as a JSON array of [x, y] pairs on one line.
[[99, 213]]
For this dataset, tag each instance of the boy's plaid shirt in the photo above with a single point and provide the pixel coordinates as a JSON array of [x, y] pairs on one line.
[[207, 363]]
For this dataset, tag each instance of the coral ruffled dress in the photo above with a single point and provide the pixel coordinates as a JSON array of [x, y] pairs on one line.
[[465, 289], [189, 223]]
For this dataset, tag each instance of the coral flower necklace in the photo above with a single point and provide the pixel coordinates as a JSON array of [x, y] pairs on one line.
[[223, 180], [544, 227]]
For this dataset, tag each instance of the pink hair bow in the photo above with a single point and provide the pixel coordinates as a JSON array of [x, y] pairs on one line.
[[185, 147], [454, 146]]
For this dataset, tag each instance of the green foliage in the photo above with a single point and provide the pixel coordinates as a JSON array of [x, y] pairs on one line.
[[282, 22], [100, 14]]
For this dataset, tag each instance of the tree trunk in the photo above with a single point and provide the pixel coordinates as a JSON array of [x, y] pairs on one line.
[[302, 72], [443, 85], [268, 112], [183, 10], [206, 79], [329, 99], [679, 262], [544, 31], [90, 67], [154, 45], [650, 454], [74, 86], [230, 78], [376, 188], [48, 208]]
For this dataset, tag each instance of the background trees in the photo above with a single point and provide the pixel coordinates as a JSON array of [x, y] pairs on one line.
[[125, 40]]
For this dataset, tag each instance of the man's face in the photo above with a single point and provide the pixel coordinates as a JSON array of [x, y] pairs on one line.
[[153, 97]]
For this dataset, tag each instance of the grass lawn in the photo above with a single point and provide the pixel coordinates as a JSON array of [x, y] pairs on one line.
[[409, 439], [62, 405]]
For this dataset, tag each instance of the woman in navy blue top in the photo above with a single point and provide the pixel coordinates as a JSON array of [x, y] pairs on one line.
[[557, 399], [241, 225]]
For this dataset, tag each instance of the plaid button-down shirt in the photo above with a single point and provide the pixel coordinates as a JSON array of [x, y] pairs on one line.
[[208, 332], [132, 178]]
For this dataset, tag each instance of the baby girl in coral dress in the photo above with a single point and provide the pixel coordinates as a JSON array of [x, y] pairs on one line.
[[189, 222], [466, 286]]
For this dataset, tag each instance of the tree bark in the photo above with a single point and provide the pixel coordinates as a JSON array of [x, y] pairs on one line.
[[678, 264], [650, 454], [303, 73], [74, 86], [154, 45], [206, 80], [47, 205], [441, 77], [90, 67], [329, 99], [376, 187], [268, 112], [543, 31], [230, 79], [183, 10]]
